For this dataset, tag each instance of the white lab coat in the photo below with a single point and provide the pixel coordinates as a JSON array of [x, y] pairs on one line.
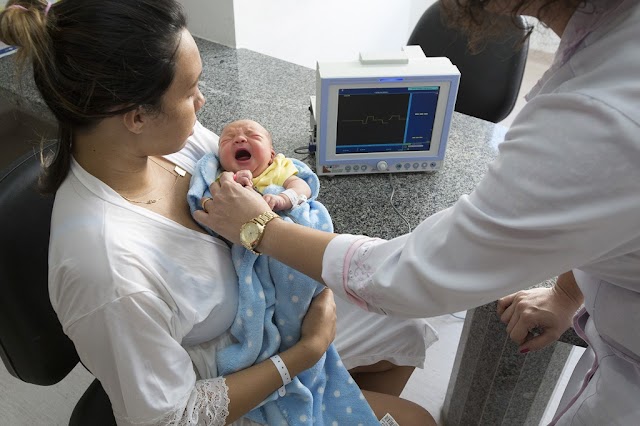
[[564, 193]]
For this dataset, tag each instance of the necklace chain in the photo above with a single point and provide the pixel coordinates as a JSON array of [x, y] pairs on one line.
[[178, 172]]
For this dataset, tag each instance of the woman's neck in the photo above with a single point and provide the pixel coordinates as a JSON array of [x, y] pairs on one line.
[[105, 153], [556, 16]]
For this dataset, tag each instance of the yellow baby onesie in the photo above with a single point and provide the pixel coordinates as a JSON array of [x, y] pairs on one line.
[[281, 169]]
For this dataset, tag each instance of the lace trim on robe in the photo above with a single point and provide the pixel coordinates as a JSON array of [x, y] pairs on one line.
[[208, 404]]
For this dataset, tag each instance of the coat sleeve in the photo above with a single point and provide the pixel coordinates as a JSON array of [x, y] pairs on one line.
[[562, 194]]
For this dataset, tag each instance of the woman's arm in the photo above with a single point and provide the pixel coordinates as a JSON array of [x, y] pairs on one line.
[[282, 240], [249, 387], [128, 346], [540, 210]]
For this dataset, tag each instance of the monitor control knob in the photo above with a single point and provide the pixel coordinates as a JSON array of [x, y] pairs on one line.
[[382, 166]]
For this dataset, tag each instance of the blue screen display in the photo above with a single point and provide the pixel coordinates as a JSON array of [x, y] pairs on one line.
[[386, 119]]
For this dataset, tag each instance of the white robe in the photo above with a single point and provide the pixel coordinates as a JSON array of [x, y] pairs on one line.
[[147, 303]]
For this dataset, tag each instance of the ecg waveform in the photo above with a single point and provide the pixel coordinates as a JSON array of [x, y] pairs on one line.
[[370, 119]]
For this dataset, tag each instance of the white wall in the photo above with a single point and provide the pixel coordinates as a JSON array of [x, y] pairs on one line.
[[211, 19], [303, 31]]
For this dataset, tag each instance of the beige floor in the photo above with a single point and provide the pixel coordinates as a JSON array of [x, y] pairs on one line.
[[24, 404]]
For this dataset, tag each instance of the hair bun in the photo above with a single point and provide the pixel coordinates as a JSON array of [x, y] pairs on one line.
[[23, 23]]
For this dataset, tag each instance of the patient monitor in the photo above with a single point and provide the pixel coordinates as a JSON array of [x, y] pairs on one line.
[[383, 113]]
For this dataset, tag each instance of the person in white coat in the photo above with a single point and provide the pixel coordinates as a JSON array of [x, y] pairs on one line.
[[561, 199]]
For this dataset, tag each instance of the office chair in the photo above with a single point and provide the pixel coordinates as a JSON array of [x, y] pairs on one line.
[[490, 80], [33, 346]]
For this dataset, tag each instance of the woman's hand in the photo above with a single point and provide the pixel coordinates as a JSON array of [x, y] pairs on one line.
[[319, 324], [232, 206], [549, 310]]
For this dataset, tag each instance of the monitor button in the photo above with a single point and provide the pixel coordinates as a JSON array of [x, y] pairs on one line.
[[424, 165], [364, 168], [356, 168], [407, 166], [416, 165], [433, 164], [382, 166]]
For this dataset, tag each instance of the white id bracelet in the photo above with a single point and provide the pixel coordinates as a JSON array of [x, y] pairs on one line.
[[284, 373], [293, 196]]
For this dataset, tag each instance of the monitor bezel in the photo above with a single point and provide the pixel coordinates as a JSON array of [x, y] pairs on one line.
[[328, 112]]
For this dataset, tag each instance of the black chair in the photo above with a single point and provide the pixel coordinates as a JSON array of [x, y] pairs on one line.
[[490, 80], [33, 346]]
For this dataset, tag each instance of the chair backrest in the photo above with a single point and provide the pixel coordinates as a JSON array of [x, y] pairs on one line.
[[490, 80], [33, 346]]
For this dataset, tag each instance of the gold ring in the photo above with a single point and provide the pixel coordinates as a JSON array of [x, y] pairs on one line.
[[204, 202]]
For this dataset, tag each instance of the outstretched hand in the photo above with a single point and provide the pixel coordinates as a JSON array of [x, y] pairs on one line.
[[232, 205], [537, 317]]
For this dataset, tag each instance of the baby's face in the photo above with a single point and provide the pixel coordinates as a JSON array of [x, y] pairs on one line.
[[245, 145]]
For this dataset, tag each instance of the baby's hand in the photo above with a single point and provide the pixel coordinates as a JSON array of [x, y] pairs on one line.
[[244, 178], [277, 202]]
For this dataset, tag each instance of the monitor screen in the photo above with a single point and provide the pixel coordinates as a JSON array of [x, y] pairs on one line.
[[392, 119]]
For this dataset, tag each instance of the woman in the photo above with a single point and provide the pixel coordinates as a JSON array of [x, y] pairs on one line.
[[145, 295], [562, 195]]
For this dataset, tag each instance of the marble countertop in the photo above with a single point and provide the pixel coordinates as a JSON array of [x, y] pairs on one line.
[[239, 83]]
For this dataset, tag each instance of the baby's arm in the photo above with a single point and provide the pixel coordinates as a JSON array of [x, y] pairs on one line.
[[293, 186]]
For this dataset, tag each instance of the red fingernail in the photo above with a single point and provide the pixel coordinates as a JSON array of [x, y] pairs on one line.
[[524, 351], [234, 176]]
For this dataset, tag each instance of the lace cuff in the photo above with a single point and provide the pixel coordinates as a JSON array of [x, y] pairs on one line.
[[208, 404]]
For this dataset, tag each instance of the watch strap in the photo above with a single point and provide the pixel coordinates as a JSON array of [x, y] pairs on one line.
[[261, 220]]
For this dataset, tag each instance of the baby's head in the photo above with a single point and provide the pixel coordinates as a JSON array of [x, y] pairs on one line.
[[245, 145]]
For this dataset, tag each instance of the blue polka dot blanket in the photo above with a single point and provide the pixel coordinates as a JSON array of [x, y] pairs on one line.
[[273, 299]]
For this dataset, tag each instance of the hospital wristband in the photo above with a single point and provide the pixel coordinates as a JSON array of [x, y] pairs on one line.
[[284, 373], [293, 196]]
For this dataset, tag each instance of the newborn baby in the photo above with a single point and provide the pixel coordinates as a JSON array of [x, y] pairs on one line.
[[246, 148]]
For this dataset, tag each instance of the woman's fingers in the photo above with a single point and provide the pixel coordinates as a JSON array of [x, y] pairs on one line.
[[319, 323], [520, 330], [537, 342], [505, 302], [507, 313]]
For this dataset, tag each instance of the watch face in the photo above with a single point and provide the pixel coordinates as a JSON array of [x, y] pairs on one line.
[[250, 233]]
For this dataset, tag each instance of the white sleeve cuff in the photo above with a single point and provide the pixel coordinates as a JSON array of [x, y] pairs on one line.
[[336, 264]]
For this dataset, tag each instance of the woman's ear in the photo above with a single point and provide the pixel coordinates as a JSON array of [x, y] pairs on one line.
[[135, 120]]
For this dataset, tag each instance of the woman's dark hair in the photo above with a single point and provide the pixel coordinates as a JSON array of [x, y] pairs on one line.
[[480, 25], [94, 59]]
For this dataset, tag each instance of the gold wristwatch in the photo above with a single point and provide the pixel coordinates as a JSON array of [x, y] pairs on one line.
[[251, 232]]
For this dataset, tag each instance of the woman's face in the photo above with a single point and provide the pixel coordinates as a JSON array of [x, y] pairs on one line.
[[170, 129], [245, 145]]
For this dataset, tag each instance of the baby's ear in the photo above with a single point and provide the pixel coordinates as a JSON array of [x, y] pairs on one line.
[[273, 155]]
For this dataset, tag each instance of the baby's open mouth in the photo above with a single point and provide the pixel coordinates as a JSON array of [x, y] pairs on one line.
[[243, 155]]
